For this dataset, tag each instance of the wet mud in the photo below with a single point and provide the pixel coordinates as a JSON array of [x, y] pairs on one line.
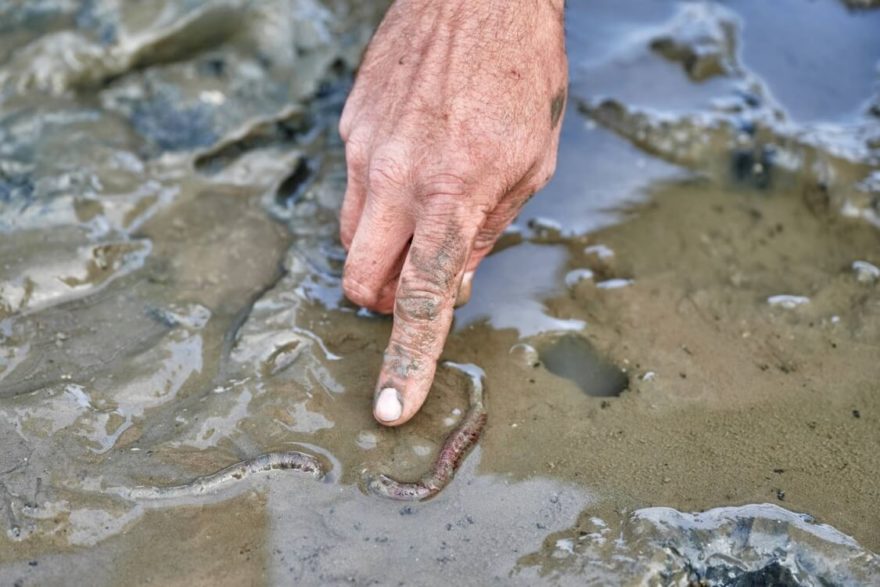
[[678, 337]]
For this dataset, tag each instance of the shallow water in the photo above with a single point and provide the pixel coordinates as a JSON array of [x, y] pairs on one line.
[[575, 358], [170, 305]]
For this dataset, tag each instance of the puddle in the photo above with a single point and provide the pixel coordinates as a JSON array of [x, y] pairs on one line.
[[574, 358], [504, 300]]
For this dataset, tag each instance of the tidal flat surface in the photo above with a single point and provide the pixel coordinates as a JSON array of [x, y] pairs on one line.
[[679, 335]]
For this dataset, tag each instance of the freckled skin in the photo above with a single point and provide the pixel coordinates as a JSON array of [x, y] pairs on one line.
[[452, 124]]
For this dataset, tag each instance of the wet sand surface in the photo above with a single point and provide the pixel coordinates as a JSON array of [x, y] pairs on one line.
[[679, 337]]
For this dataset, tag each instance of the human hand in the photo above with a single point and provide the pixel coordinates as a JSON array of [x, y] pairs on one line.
[[452, 124]]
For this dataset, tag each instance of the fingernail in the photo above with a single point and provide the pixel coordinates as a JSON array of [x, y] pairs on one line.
[[388, 405]]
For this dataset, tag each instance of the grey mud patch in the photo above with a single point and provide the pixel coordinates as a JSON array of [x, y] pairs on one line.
[[745, 545]]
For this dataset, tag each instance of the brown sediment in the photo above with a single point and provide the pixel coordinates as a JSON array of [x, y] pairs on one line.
[[457, 445]]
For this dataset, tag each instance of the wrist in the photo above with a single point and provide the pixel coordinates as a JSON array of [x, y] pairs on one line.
[[535, 12]]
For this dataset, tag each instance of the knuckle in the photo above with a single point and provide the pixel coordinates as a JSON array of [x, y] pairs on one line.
[[355, 153], [485, 240], [420, 301], [386, 172], [437, 260], [455, 182], [440, 217], [346, 120], [344, 128]]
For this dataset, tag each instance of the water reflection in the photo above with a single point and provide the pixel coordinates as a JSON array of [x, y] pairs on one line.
[[506, 300]]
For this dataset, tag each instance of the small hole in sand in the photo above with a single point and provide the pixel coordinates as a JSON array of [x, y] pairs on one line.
[[574, 358]]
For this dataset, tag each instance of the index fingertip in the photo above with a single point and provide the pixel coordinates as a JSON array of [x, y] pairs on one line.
[[388, 407]]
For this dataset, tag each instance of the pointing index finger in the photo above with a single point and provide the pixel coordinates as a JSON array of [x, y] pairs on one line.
[[423, 309]]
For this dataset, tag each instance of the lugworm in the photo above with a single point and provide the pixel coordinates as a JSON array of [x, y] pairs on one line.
[[291, 460], [457, 445]]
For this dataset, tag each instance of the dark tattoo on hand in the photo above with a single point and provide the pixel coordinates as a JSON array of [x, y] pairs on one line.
[[556, 108]]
